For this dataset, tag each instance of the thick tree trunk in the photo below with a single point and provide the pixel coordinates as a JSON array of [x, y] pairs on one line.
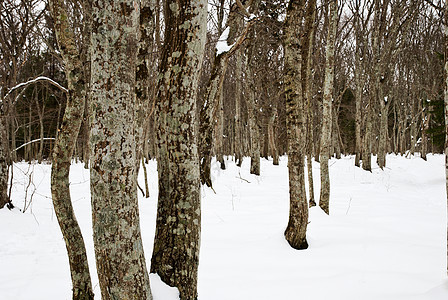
[[62, 154], [295, 233], [324, 201], [119, 251], [176, 246]]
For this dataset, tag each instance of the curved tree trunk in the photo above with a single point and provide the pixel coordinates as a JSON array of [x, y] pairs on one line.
[[119, 251], [62, 154], [175, 255]]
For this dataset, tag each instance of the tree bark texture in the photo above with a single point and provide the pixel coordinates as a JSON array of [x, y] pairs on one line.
[[324, 201], [446, 107], [176, 246], [271, 136], [295, 233], [63, 150], [4, 199], [209, 115], [119, 252], [252, 116]]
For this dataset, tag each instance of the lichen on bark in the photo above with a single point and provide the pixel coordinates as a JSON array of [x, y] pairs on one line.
[[176, 246], [118, 244]]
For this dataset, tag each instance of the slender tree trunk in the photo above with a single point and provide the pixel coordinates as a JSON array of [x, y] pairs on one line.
[[238, 126], [219, 149], [383, 137], [295, 233], [309, 24], [446, 106], [324, 201], [118, 244], [4, 199], [62, 154], [358, 93], [252, 115], [209, 115], [271, 136], [175, 255], [425, 127]]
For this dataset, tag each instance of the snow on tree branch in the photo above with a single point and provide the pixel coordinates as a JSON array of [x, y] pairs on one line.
[[40, 78]]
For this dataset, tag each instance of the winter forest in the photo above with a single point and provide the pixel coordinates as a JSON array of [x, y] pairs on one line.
[[223, 149]]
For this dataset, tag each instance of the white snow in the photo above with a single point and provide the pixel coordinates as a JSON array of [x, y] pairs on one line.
[[385, 237], [222, 45]]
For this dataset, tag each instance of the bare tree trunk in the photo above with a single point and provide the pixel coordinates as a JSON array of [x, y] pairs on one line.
[[446, 107], [4, 199], [324, 201], [238, 127], [63, 150], [175, 255], [271, 136], [425, 126], [383, 138], [252, 116], [309, 25], [219, 149], [119, 251], [295, 233]]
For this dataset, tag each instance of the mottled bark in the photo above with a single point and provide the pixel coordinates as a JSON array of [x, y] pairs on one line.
[[238, 128], [324, 201], [271, 136], [219, 147], [252, 116], [63, 150], [383, 137], [142, 84], [425, 126], [4, 199], [119, 251], [209, 115], [176, 246], [446, 106], [311, 29], [295, 233]]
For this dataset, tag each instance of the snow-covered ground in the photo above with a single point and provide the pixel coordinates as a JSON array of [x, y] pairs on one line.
[[385, 237]]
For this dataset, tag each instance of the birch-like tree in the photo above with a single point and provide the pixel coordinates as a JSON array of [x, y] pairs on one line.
[[118, 244]]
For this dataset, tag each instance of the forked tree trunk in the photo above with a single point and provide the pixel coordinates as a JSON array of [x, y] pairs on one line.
[[62, 154], [324, 201], [175, 255], [295, 233], [119, 251]]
